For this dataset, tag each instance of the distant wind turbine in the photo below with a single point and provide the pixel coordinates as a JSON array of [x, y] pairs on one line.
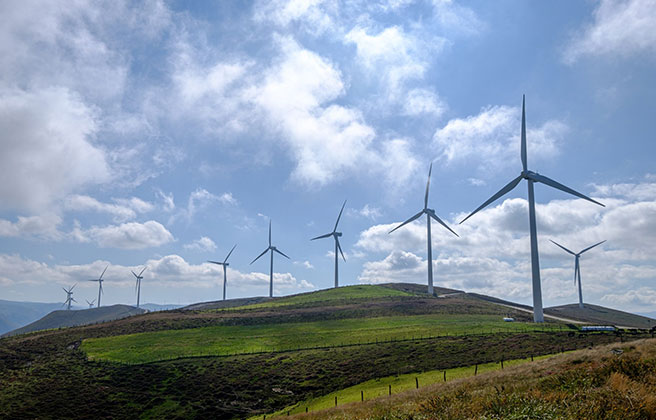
[[138, 285], [335, 235], [577, 267], [272, 249], [90, 303], [531, 177], [430, 213], [100, 288], [69, 297], [225, 269]]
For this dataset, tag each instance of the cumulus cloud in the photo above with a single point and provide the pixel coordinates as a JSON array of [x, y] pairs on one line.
[[44, 226], [492, 138], [48, 148], [204, 244], [126, 235], [620, 28]]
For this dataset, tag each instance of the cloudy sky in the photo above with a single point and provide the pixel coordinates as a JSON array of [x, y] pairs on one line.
[[163, 133]]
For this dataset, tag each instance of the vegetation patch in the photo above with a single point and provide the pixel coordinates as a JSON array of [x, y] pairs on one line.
[[231, 340]]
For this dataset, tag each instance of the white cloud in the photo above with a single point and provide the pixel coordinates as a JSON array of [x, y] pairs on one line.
[[204, 244], [620, 28], [43, 226], [84, 203], [47, 147], [367, 212], [305, 264], [125, 236], [423, 101], [314, 15], [491, 138]]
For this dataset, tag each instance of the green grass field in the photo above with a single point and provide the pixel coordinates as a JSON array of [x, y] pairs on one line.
[[380, 387], [225, 340], [328, 296]]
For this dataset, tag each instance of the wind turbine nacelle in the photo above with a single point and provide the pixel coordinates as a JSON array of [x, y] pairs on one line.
[[272, 248], [338, 234]]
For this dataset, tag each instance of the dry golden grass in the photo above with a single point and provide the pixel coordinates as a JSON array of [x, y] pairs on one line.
[[599, 383]]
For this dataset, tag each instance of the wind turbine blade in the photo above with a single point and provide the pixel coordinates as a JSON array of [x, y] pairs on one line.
[[550, 182], [135, 274], [590, 247], [503, 191], [226, 258], [524, 163], [428, 185], [281, 253], [258, 257], [327, 235], [565, 249], [340, 249], [64, 290], [142, 271], [73, 300], [103, 273], [269, 232], [413, 218], [438, 220], [338, 217], [73, 287], [215, 262]]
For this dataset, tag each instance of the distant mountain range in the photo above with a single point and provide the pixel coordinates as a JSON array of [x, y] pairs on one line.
[[65, 318], [14, 315]]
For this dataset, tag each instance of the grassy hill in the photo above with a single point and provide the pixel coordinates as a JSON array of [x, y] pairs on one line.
[[616, 381], [64, 318], [598, 315], [198, 362]]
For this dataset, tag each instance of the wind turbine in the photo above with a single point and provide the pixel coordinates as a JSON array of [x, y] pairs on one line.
[[100, 280], [138, 285], [335, 235], [69, 297], [225, 268], [430, 213], [531, 177], [577, 268], [90, 303], [272, 249]]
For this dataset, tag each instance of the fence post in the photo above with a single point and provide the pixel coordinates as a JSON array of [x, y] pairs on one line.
[[416, 382], [476, 369], [306, 409], [445, 376], [361, 395], [390, 389], [335, 400], [502, 363], [531, 358]]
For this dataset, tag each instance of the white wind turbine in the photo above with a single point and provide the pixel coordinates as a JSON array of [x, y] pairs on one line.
[[430, 213], [272, 249], [225, 268], [100, 288], [577, 267], [69, 297], [531, 177], [335, 235], [138, 285], [90, 303]]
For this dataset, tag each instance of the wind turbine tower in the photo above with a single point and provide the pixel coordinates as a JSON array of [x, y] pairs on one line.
[[100, 288], [271, 249], [335, 235], [531, 178], [225, 269], [430, 213], [69, 297], [138, 285], [577, 267]]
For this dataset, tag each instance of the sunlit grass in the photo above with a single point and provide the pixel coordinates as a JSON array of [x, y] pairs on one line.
[[227, 340]]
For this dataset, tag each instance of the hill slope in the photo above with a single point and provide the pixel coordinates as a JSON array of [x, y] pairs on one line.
[[17, 314], [310, 344], [63, 318], [600, 315]]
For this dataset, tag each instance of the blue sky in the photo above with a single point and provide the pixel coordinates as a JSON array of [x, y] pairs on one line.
[[163, 133]]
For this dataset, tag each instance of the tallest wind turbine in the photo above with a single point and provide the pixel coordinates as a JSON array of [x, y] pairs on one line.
[[531, 177], [430, 213]]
